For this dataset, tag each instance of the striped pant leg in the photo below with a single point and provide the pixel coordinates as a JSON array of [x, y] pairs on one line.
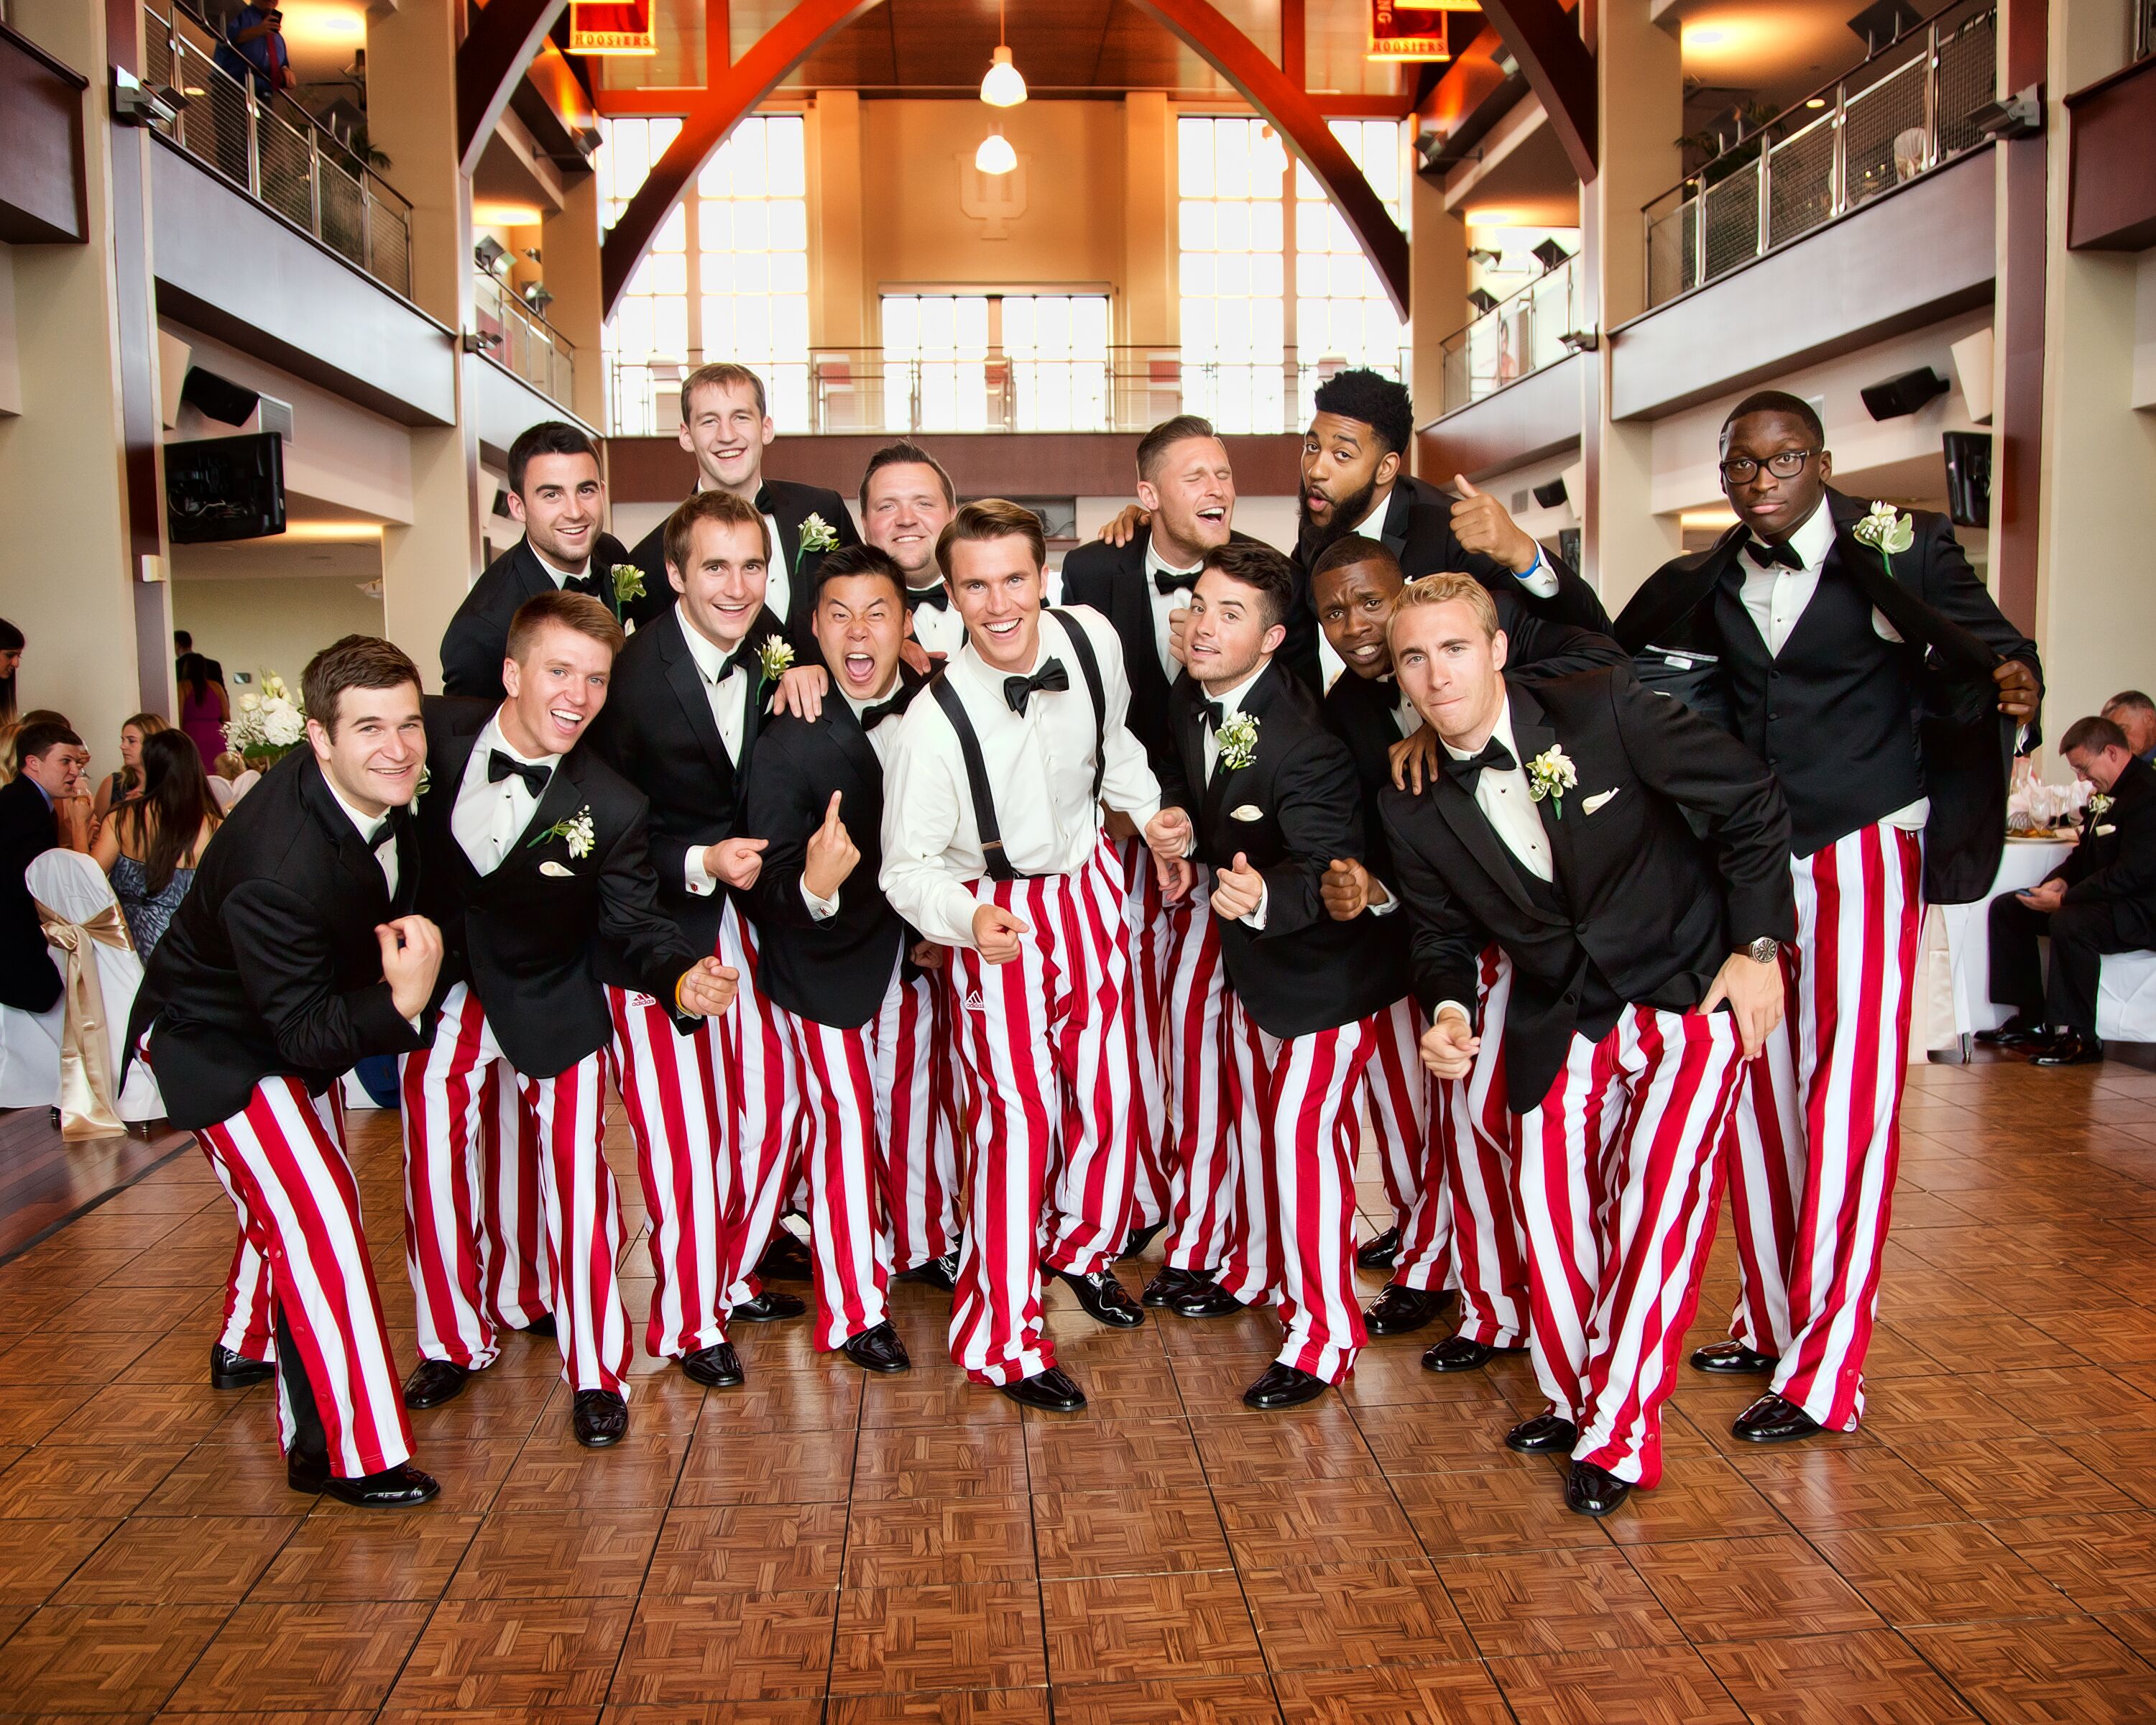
[[1007, 1019], [1249, 1267], [584, 1224], [1766, 1155], [1311, 1128], [762, 1119], [515, 1278], [1400, 1093], [1204, 1176], [1149, 936], [249, 1313], [284, 1154], [674, 1098], [916, 1120], [1680, 1072], [1489, 1248], [1859, 918], [446, 1087], [848, 1236]]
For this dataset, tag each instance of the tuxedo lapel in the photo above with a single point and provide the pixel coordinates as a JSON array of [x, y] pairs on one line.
[[1472, 828], [1913, 619], [561, 798], [353, 853], [851, 740], [1399, 507], [687, 683]]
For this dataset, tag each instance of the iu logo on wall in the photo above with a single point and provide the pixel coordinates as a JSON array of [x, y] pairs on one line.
[[611, 27]]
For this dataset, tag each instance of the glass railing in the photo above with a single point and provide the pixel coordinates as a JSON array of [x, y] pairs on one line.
[[1514, 339], [275, 151], [874, 390], [517, 338], [1909, 109]]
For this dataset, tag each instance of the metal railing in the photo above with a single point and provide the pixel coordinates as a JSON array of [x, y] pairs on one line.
[[1903, 112], [873, 390], [275, 151], [523, 341], [2144, 29], [1514, 339]]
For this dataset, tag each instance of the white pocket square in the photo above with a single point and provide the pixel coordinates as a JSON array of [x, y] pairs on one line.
[[1598, 800], [2105, 832], [558, 871], [1246, 811]]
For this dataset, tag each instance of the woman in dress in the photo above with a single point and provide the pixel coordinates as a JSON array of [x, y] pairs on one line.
[[120, 786], [11, 660], [203, 706], [153, 841]]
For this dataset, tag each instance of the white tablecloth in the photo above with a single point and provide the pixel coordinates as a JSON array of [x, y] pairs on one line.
[[1965, 931]]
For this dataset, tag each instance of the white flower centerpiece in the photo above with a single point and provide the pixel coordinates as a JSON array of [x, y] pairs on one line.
[[266, 726]]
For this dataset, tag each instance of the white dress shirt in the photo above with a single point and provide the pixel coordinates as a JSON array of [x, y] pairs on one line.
[[1503, 799], [385, 853], [1231, 703], [491, 814], [1040, 764], [728, 693], [1164, 605], [938, 629], [562, 577]]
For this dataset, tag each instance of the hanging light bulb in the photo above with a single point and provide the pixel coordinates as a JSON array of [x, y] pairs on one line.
[[995, 155], [1003, 87]]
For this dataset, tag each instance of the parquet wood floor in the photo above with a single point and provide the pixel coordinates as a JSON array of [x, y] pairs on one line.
[[821, 1548]]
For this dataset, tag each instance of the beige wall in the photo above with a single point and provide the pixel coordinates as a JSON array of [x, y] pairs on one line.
[[274, 623]]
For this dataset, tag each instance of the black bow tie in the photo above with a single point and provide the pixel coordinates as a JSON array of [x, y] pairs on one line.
[[1209, 714], [586, 582], [938, 596], [500, 765], [748, 659], [1768, 555], [1493, 754], [1051, 676], [1176, 580], [872, 716], [385, 829]]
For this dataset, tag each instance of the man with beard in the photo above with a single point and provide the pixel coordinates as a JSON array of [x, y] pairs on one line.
[[906, 501]]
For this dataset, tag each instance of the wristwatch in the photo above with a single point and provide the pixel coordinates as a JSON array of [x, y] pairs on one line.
[[1764, 950]]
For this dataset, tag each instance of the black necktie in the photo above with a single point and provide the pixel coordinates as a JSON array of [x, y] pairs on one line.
[[938, 596], [1493, 754], [1051, 676], [1768, 555], [1175, 580], [500, 765], [1209, 714]]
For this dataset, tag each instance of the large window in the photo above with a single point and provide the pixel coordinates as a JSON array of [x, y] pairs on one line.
[[996, 361], [727, 277]]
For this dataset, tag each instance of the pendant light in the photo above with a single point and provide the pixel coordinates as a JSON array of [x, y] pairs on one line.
[[995, 155], [1003, 87]]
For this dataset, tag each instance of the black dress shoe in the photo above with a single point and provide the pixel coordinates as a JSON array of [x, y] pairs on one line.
[[433, 1381], [1107, 1301], [1400, 1310], [2017, 1032], [1142, 1236], [543, 1327], [786, 1259], [1458, 1353], [938, 1273], [1207, 1299], [1545, 1435], [769, 1308], [878, 1350], [1592, 1490], [1772, 1420], [393, 1488], [599, 1418], [1051, 1391], [1284, 1387], [1169, 1284], [235, 1371], [717, 1367], [1732, 1359], [2069, 1048], [1380, 1251]]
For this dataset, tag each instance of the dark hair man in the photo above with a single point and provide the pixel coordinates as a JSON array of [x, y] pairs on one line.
[[2135, 715], [41, 807], [1855, 652], [906, 501]]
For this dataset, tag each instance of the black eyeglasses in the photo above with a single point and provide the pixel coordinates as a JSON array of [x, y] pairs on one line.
[[1787, 464]]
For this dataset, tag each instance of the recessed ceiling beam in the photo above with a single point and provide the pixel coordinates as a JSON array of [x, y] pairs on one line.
[[1544, 37], [503, 39]]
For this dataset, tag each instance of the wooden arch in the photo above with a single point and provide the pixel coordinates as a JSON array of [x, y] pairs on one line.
[[505, 36]]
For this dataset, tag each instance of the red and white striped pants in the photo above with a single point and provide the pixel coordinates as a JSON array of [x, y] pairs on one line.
[[1619, 1175], [283, 1158], [764, 1124], [1152, 944], [445, 1087], [1298, 1125], [1045, 1081], [249, 1326], [917, 1119], [1401, 1111], [1818, 1135], [1203, 1175]]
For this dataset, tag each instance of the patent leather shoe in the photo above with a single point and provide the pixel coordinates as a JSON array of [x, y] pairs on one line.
[[2017, 1032], [1772, 1420], [878, 1350], [392, 1488], [543, 1327], [1545, 1435], [2069, 1048], [1732, 1359], [937, 1273], [599, 1419], [1400, 1310], [235, 1371], [1169, 1284], [1458, 1353], [1284, 1386], [1592, 1490], [1141, 1237], [433, 1381], [769, 1308], [717, 1367], [1051, 1391], [1380, 1250], [1207, 1299], [786, 1259], [1107, 1301]]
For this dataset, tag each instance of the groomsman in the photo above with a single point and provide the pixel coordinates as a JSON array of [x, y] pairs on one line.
[[992, 846], [535, 860], [1264, 794], [727, 425], [907, 499], [706, 1108], [1884, 687], [558, 496], [1560, 825], [295, 954]]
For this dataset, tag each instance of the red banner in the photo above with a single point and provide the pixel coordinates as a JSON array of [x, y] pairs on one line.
[[1399, 33], [611, 27]]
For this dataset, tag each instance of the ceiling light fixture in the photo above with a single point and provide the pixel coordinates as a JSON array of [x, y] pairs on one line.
[[995, 155], [1003, 87]]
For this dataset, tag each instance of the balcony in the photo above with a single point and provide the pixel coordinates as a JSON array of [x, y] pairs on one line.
[[522, 341], [1515, 338], [1905, 112]]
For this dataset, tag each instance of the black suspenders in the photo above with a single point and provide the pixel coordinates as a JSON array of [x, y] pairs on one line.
[[977, 766]]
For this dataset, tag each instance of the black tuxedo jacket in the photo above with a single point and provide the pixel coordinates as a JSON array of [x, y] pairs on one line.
[[1295, 808], [530, 937], [1953, 636], [28, 978], [271, 967], [1112, 579], [833, 971], [1653, 908], [789, 505], [657, 732], [2115, 863], [472, 646]]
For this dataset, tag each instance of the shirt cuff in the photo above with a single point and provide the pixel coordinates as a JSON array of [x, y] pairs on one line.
[[821, 909], [694, 876], [1256, 919], [1142, 816], [1392, 901], [1539, 579], [1445, 1006]]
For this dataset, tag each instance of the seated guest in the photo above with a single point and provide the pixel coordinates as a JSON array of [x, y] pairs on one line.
[[43, 807], [2102, 899], [116, 787], [155, 837], [2135, 714], [225, 773]]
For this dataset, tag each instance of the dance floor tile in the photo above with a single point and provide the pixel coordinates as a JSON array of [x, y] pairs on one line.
[[1703, 1496], [1820, 1489], [2020, 1477], [926, 1461], [102, 1658], [1270, 1528], [1530, 1603], [2066, 1672], [56, 1479], [1355, 1615], [1750, 1589], [1392, 1695], [303, 1655], [2103, 1563], [974, 1635], [930, 1394], [1291, 1453], [1124, 1628], [809, 1467], [729, 1646], [1182, 1701], [1652, 1686], [1441, 1437], [579, 1553], [1962, 1573], [760, 1547], [555, 1472], [775, 1401], [908, 1542], [157, 1560], [949, 1706], [1516, 1506], [1871, 1678], [1111, 1454], [36, 1557], [1129, 1531], [525, 1654]]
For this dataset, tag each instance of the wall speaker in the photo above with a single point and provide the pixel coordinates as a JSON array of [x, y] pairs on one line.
[[217, 397], [1903, 395], [1550, 496], [1968, 478]]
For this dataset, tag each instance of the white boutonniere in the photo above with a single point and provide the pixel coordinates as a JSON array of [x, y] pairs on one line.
[[775, 657], [1551, 774], [816, 535], [1239, 742], [1886, 531], [2099, 805], [576, 832], [628, 582]]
